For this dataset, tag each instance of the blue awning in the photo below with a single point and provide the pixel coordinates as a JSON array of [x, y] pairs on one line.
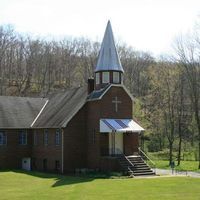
[[119, 125]]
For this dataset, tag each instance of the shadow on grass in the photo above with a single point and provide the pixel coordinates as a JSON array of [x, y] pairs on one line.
[[61, 180]]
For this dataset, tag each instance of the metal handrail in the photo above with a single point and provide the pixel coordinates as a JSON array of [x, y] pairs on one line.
[[144, 154], [121, 153], [118, 152], [129, 161]]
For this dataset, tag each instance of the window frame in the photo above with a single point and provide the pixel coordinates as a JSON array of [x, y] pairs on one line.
[[104, 76], [57, 137], [46, 137], [22, 139], [114, 77], [97, 78], [3, 135], [121, 78]]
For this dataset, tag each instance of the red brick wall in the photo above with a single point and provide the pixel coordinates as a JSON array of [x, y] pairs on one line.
[[131, 143], [74, 147], [75, 142], [82, 140], [12, 153], [92, 127], [104, 144], [109, 164], [104, 108], [51, 151]]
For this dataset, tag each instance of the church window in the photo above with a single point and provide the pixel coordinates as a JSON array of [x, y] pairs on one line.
[[97, 78], [106, 77], [115, 77], [57, 137], [22, 137], [45, 137], [3, 138]]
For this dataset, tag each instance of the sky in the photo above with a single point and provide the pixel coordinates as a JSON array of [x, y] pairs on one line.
[[148, 25]]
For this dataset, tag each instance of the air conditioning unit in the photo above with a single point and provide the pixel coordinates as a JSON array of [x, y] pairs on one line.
[[26, 164]]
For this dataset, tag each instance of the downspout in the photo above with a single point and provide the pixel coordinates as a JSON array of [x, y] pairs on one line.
[[62, 150], [114, 142]]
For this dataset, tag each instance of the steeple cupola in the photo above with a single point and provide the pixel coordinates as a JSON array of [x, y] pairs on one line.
[[108, 68]]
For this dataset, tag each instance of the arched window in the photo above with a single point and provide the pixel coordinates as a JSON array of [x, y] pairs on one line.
[[106, 77]]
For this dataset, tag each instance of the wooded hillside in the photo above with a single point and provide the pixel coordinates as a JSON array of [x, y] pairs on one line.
[[166, 92]]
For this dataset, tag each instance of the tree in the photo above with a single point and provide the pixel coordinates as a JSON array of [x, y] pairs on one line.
[[7, 37], [188, 59], [164, 100]]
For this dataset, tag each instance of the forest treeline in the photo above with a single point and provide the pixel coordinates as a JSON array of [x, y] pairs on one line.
[[167, 91]]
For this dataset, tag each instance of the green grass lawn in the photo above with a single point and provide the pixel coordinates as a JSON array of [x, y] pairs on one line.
[[20, 185], [184, 166]]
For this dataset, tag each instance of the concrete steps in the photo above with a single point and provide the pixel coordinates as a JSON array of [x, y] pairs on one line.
[[140, 167], [125, 164], [135, 165]]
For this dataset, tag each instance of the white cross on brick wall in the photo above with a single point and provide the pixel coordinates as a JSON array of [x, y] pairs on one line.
[[116, 102]]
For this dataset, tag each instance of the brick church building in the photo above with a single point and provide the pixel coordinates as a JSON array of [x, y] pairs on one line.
[[84, 127]]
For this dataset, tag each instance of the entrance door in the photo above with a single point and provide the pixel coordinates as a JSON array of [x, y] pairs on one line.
[[119, 143], [26, 164], [116, 143]]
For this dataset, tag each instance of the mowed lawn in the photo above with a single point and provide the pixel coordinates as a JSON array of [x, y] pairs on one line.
[[184, 166], [34, 185]]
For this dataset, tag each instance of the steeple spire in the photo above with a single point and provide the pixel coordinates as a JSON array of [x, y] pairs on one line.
[[108, 59], [108, 69]]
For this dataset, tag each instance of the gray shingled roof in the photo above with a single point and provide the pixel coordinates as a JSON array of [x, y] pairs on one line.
[[98, 94], [61, 108], [54, 112], [108, 58], [19, 112]]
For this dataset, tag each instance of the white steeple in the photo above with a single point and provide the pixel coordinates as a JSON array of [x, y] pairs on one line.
[[108, 59]]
